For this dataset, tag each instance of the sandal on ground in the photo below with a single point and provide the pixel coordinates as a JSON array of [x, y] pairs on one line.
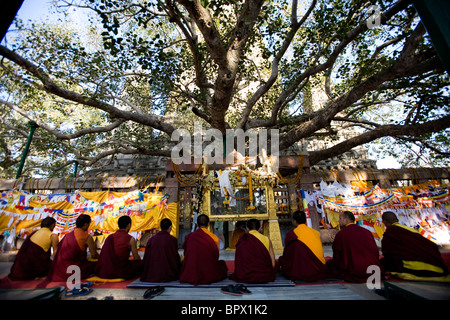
[[243, 289], [77, 292], [230, 289], [87, 284], [153, 292]]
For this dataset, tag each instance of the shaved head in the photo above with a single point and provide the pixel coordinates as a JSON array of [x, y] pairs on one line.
[[202, 220], [389, 218]]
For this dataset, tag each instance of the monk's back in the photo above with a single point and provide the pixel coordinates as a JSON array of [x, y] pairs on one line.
[[303, 258], [42, 238], [354, 249], [201, 264], [311, 238], [358, 241], [70, 253], [253, 263], [122, 243], [352, 232], [161, 259], [406, 250], [33, 259], [81, 237]]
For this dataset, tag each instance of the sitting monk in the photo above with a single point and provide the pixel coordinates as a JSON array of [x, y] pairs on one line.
[[406, 252], [201, 264], [72, 250], [238, 232], [354, 250], [114, 261], [34, 257], [255, 258], [161, 259], [303, 257]]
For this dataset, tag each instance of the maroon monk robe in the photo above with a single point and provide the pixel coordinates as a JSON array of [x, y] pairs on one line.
[[354, 249], [298, 262], [69, 253], [161, 259], [31, 262], [201, 264], [400, 244], [114, 260], [252, 261]]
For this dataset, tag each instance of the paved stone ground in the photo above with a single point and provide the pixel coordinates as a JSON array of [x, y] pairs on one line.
[[302, 292]]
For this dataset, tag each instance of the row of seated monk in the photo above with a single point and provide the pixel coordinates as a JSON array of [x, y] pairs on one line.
[[404, 251]]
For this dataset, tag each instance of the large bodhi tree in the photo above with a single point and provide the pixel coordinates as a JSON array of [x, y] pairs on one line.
[[146, 68]]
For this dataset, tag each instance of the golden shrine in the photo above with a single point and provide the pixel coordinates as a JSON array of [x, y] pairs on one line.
[[251, 195]]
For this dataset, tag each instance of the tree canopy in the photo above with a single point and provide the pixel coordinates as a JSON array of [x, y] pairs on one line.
[[143, 68]]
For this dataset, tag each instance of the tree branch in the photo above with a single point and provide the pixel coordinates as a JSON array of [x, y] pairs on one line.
[[51, 87], [356, 121], [426, 145], [59, 135], [416, 130], [400, 5], [200, 77], [225, 55], [295, 26], [208, 28], [406, 65]]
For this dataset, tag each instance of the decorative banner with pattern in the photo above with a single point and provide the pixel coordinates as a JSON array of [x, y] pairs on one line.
[[424, 207], [23, 211]]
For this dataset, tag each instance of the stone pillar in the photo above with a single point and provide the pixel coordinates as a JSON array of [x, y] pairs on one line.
[[171, 187]]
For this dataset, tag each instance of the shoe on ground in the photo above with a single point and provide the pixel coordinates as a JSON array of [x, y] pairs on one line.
[[153, 292], [243, 289], [230, 289]]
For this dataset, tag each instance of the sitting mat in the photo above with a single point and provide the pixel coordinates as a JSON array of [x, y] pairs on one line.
[[280, 281]]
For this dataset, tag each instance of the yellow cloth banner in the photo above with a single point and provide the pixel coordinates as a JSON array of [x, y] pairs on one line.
[[24, 211], [333, 217]]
